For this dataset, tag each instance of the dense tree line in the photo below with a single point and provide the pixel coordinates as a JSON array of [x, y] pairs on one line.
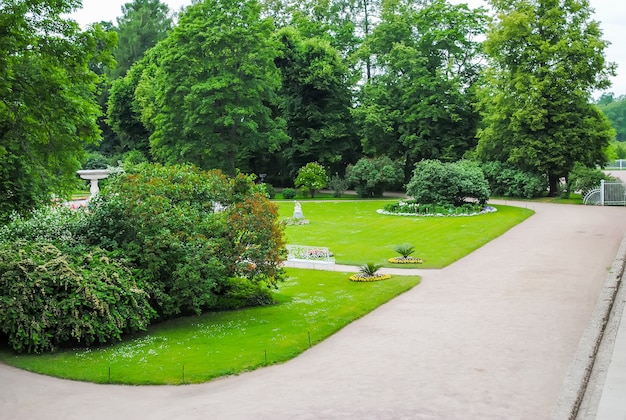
[[267, 86]]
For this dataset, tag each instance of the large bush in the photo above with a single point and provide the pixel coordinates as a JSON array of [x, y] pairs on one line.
[[371, 176], [434, 182], [507, 181], [49, 298], [188, 231], [582, 179]]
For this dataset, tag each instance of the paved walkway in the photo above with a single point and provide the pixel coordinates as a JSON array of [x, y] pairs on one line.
[[492, 336]]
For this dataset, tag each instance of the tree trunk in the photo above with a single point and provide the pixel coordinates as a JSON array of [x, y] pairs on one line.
[[553, 182]]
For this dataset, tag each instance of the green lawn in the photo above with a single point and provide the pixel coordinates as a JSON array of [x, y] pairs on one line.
[[356, 234], [313, 305]]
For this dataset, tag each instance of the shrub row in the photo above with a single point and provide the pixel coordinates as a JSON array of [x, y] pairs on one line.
[[154, 244]]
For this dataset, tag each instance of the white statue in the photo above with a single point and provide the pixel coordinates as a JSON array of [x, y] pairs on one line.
[[297, 211]]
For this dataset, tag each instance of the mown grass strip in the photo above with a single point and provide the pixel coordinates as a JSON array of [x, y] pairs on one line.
[[312, 306]]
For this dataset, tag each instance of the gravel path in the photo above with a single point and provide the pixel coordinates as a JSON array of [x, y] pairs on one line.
[[489, 337]]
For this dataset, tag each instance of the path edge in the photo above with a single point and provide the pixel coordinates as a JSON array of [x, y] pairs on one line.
[[577, 379]]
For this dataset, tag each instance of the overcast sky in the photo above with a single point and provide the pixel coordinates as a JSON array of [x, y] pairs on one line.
[[610, 13]]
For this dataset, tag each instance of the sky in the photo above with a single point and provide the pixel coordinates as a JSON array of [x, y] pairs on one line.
[[610, 13]]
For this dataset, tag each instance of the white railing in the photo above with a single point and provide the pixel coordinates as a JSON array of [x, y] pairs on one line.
[[316, 254], [608, 194]]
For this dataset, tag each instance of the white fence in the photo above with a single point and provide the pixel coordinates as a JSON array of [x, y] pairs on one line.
[[608, 194], [316, 254]]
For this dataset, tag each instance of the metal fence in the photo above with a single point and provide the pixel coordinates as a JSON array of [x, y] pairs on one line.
[[608, 194]]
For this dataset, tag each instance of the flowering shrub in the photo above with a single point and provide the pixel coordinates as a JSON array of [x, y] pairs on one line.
[[413, 208]]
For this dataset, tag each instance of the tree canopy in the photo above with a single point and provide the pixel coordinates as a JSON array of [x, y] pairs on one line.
[[48, 106], [546, 57], [216, 85]]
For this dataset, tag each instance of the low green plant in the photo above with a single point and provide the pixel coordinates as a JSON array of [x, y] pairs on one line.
[[289, 193], [338, 184], [369, 269], [405, 249], [51, 299]]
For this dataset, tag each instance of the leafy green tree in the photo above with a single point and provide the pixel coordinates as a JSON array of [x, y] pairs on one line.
[[215, 85], [48, 107], [615, 111], [125, 110], [142, 25], [311, 176], [546, 57], [419, 103], [317, 101], [371, 176]]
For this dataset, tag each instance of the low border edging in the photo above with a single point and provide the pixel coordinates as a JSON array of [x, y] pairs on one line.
[[577, 379]]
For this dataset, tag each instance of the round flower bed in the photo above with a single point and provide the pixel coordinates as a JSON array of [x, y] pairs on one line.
[[363, 278], [405, 260]]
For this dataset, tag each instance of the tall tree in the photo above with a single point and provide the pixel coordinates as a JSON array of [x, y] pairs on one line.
[[216, 83], [615, 111], [418, 105], [317, 100], [48, 106], [143, 23], [546, 57]]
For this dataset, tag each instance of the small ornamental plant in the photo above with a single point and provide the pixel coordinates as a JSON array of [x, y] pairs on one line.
[[369, 272], [405, 251]]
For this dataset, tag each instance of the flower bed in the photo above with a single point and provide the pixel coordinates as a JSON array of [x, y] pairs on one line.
[[412, 208], [365, 278], [405, 260]]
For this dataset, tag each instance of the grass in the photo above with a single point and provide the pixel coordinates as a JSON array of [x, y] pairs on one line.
[[356, 234], [313, 305]]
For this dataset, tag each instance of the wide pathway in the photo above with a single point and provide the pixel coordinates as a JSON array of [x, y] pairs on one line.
[[489, 337]]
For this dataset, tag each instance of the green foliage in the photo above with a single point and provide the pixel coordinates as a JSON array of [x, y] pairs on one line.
[[214, 88], [405, 249], [615, 111], [316, 102], [505, 180], [311, 176], [289, 193], [582, 179], [239, 293], [338, 184], [369, 269], [434, 182], [54, 224], [186, 231], [418, 104], [142, 25], [48, 106], [546, 59], [95, 160], [371, 176], [269, 190], [49, 298]]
